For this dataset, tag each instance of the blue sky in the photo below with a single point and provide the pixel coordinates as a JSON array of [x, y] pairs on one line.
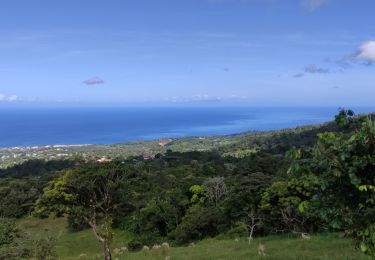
[[253, 52]]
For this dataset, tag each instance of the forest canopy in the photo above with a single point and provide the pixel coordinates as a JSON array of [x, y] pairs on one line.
[[325, 182]]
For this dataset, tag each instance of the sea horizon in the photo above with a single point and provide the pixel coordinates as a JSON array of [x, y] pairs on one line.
[[27, 127]]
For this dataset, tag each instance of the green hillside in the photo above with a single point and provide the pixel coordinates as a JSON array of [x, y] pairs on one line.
[[82, 245], [274, 188]]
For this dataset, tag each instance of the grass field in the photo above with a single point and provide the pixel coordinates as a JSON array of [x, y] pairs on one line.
[[73, 245]]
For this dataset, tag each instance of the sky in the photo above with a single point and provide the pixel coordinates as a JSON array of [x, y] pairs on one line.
[[252, 52]]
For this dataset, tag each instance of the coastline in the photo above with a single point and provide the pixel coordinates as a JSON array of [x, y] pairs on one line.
[[102, 126], [14, 155]]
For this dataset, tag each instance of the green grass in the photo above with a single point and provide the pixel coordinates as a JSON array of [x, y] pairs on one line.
[[319, 247], [71, 245]]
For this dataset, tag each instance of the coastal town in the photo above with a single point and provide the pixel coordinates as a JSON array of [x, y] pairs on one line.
[[88, 152]]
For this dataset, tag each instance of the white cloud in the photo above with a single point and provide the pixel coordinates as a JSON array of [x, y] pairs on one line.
[[206, 98], [198, 98], [314, 4], [367, 52], [5, 98], [13, 98]]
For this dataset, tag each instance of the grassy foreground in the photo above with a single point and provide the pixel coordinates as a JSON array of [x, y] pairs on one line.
[[82, 245]]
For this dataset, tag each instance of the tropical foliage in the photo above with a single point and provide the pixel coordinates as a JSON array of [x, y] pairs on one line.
[[301, 182]]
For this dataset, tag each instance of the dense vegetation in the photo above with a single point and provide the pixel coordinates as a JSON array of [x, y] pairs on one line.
[[237, 145], [22, 185], [83, 245], [293, 181]]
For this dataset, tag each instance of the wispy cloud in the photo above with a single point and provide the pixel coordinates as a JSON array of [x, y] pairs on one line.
[[311, 69], [196, 98], [215, 35], [316, 70], [365, 55], [6, 98], [312, 5], [241, 1], [93, 81], [346, 61], [298, 75], [204, 98]]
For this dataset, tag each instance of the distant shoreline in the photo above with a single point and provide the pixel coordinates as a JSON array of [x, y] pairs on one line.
[[44, 146], [146, 148], [77, 128]]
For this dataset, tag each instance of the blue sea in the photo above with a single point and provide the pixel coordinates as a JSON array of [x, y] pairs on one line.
[[45, 126]]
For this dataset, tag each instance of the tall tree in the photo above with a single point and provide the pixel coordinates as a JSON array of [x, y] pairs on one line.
[[344, 168], [90, 194], [215, 190]]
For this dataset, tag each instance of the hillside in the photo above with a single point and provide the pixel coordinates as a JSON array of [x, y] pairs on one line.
[[273, 187], [82, 245], [237, 145]]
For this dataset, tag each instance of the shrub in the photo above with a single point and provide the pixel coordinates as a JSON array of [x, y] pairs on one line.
[[238, 231], [197, 224], [13, 243], [76, 224], [8, 231], [45, 248], [366, 240], [134, 245]]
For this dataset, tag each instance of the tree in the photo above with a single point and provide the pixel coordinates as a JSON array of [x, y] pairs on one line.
[[344, 169], [344, 118], [252, 221], [215, 189], [198, 197], [163, 213], [242, 203], [17, 196], [13, 243], [90, 193], [198, 223], [286, 205]]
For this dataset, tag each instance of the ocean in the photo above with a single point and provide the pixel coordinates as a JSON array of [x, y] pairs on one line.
[[45, 126]]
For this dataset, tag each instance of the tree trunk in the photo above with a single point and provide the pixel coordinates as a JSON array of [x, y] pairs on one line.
[[107, 252], [251, 234]]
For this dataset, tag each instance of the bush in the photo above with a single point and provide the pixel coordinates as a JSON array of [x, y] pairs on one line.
[[366, 240], [197, 224], [13, 244], [8, 231], [238, 231], [134, 245], [150, 239], [45, 248], [76, 224]]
